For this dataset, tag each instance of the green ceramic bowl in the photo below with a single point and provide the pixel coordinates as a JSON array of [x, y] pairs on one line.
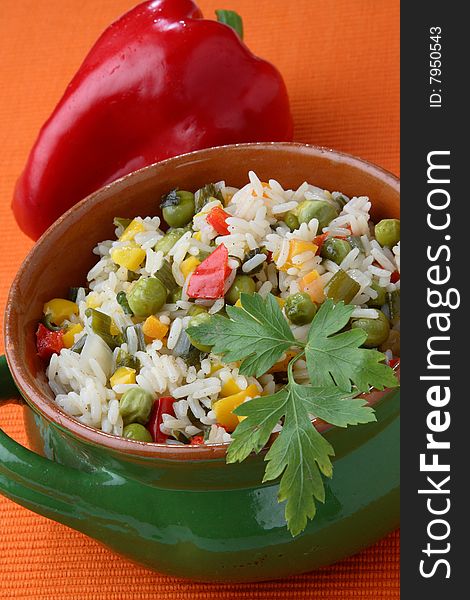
[[181, 510]]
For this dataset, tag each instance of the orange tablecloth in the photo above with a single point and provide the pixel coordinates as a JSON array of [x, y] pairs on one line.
[[340, 59]]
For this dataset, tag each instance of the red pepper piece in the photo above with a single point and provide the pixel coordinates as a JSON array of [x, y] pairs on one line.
[[197, 440], [48, 342], [162, 406], [319, 240], [217, 218], [394, 277], [394, 362], [208, 280], [159, 82]]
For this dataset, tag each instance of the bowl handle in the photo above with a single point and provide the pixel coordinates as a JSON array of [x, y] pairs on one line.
[[48, 488]]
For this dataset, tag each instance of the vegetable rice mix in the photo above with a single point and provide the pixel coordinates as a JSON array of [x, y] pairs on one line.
[[256, 310], [132, 353]]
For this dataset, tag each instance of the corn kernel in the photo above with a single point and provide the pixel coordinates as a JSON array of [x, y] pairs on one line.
[[131, 231], [312, 284], [296, 247], [229, 388], [215, 367], [154, 329], [129, 256], [223, 408], [69, 336], [92, 301], [189, 265], [123, 375], [59, 309], [281, 366]]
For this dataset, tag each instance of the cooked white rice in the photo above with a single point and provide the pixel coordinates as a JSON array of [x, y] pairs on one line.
[[80, 382]]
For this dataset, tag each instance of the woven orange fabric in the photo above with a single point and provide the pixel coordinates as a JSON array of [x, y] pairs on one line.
[[340, 60]]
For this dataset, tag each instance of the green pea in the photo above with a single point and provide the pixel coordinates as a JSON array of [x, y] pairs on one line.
[[178, 208], [166, 243], [147, 296], [136, 431], [318, 209], [135, 406], [195, 321], [335, 249], [300, 309], [387, 232], [242, 283], [392, 343], [377, 329], [291, 221], [381, 296]]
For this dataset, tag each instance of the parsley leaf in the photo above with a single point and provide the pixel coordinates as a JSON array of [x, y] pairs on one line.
[[300, 454], [338, 359], [258, 333]]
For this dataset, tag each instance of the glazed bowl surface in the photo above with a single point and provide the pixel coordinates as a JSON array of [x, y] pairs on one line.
[[182, 510]]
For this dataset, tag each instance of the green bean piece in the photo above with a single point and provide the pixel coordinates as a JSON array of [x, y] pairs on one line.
[[318, 209], [121, 222], [381, 296], [341, 201], [196, 309], [196, 321], [165, 275], [393, 301], [166, 243], [183, 345], [121, 299], [335, 249], [205, 195], [180, 437], [135, 406], [242, 283], [46, 320], [291, 221], [73, 292], [377, 329], [300, 308], [356, 242], [78, 346], [387, 232], [342, 287], [124, 359], [101, 325], [251, 254], [147, 296], [178, 207], [136, 431], [176, 295]]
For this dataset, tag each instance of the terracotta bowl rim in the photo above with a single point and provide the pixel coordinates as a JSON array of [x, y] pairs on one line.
[[52, 413]]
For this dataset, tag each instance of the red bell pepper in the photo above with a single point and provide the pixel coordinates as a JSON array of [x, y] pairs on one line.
[[197, 440], [208, 279], [160, 81], [48, 342], [394, 277], [162, 406], [217, 218], [319, 240]]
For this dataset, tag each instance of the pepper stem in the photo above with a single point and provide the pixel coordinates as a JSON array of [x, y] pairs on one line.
[[232, 19]]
